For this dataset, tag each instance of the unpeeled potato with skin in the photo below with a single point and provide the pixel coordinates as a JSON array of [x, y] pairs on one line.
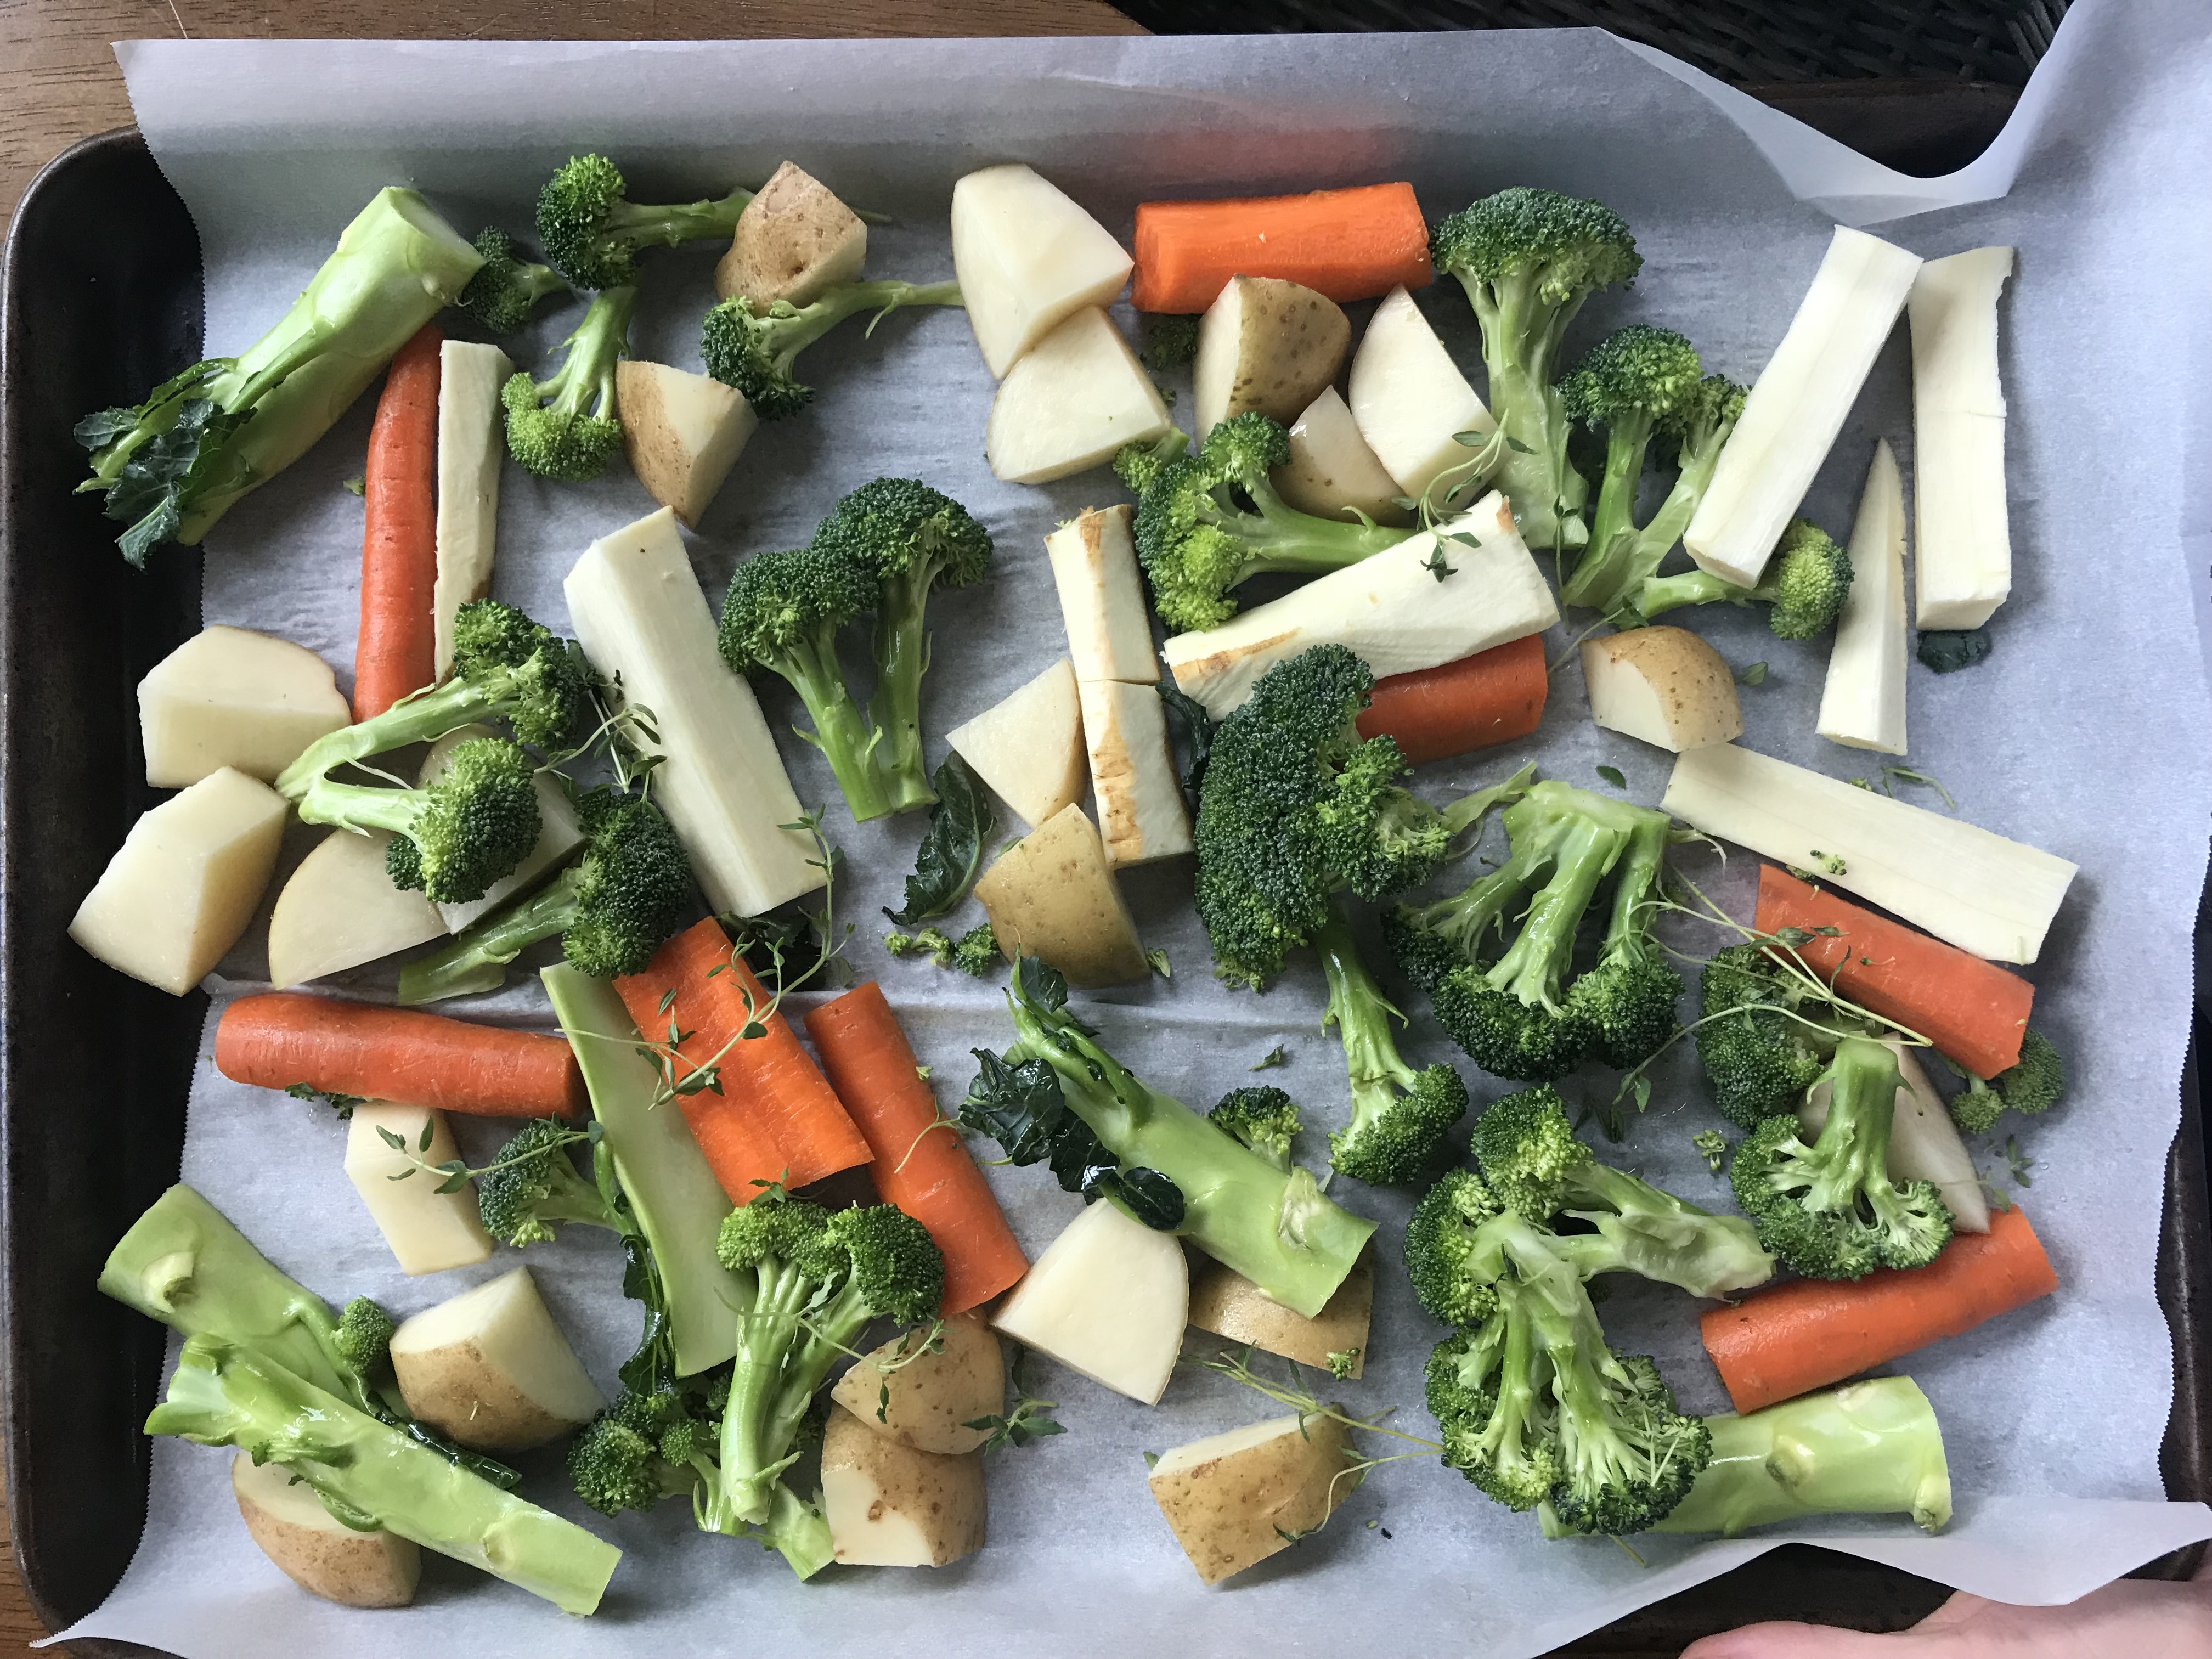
[[1268, 346], [794, 241], [317, 1551], [927, 1401], [893, 1506], [1664, 685], [1223, 1303], [1236, 1499]]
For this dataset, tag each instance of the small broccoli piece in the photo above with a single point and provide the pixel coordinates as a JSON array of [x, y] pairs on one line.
[[613, 908], [1170, 340], [1528, 258], [614, 1463], [1259, 1116], [592, 232], [1400, 1116], [506, 288], [1830, 1210], [754, 351], [567, 428], [1207, 522], [1765, 1034], [533, 1183], [454, 839], [931, 942], [364, 1337], [1948, 650], [976, 952], [782, 614], [1454, 1272], [1537, 1169], [917, 541], [1137, 464], [2032, 1084], [1805, 584]]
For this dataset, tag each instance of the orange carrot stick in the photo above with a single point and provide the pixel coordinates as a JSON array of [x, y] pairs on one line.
[[1972, 1010], [1491, 697], [926, 1172], [394, 653], [1348, 244], [1812, 1331], [282, 1037], [768, 1085]]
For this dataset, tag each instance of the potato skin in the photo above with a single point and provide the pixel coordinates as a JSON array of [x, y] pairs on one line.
[[460, 1393], [794, 240], [942, 1497], [1226, 1304], [1291, 342], [934, 1397], [1053, 894], [353, 1569], [1230, 1512], [1694, 687]]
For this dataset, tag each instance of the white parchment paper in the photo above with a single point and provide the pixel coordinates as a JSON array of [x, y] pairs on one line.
[[2084, 734]]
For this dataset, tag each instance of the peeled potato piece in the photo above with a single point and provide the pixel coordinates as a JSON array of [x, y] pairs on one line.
[[1236, 1499], [340, 909], [490, 1368], [1074, 398], [1331, 468], [890, 1505], [1029, 745], [1226, 1304], [229, 697], [1664, 685], [794, 240], [1109, 1298], [316, 1550], [927, 1401], [1027, 256], [1409, 399]]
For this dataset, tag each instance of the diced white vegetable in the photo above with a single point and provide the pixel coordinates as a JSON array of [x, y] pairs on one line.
[[229, 697], [1863, 702], [1102, 598], [1409, 399], [1029, 745], [185, 883], [316, 1550], [340, 909], [1074, 398], [471, 443], [429, 1231], [1141, 814], [1053, 894], [1664, 685], [794, 240], [1331, 468], [1107, 1298], [684, 433], [558, 832], [1027, 258], [1961, 542], [1975, 888], [888, 1504], [1237, 1497], [1389, 609], [490, 1369], [638, 612], [1799, 403], [1265, 344], [1923, 1142]]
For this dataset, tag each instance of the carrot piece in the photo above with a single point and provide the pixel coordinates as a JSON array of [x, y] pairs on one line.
[[280, 1038], [1812, 1331], [1489, 698], [774, 1117], [1355, 244], [1972, 1010], [925, 1172], [395, 652]]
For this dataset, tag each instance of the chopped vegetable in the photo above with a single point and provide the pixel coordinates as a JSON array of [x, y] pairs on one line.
[[1863, 700], [507, 287], [753, 347], [1478, 701], [470, 451], [394, 653], [592, 232], [1355, 244], [568, 428], [1961, 542]]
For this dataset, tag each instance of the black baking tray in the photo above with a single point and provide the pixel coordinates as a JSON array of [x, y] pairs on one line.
[[100, 298]]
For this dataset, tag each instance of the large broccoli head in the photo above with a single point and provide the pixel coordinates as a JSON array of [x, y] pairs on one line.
[[1557, 248], [1455, 1278], [470, 827], [632, 886]]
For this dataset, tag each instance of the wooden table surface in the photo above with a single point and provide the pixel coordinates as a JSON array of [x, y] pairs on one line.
[[58, 83]]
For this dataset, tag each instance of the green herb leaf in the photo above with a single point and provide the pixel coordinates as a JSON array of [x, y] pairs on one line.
[[358, 485], [1278, 1055], [1158, 961], [1755, 674], [951, 850], [1613, 775]]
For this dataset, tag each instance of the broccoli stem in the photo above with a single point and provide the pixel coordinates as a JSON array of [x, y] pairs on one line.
[[1361, 1015], [1850, 1156], [1288, 542], [585, 383], [798, 1531], [841, 732], [1609, 563], [423, 718], [1659, 594], [1520, 336], [902, 657], [1636, 885], [477, 959], [1536, 961], [753, 1454], [635, 226], [788, 336]]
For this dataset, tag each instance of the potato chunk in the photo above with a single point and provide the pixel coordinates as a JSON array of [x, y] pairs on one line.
[[1029, 745], [1027, 257], [1409, 399], [229, 697], [683, 433], [1331, 468], [1237, 1497], [1109, 1298], [1265, 345], [1052, 894], [316, 1550], [1226, 1304], [1664, 685], [1073, 399], [340, 909], [794, 240], [927, 1401], [490, 1369], [894, 1505]]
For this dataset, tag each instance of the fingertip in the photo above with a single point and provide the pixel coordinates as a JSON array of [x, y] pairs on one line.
[[1785, 1639]]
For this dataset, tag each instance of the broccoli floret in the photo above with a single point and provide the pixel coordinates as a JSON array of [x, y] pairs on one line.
[[976, 952], [592, 231], [613, 908], [452, 840], [917, 541], [816, 1281], [1209, 521], [567, 428], [1806, 581], [533, 1183], [1454, 1272], [1137, 464], [1528, 259], [754, 351], [619, 1459], [782, 614], [1400, 1116], [931, 942], [1170, 340], [1518, 1018], [506, 288], [364, 1337], [2032, 1084], [1536, 1168], [1262, 1117], [1830, 1210], [1765, 1034]]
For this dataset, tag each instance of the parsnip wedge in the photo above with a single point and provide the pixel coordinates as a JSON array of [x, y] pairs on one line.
[[1409, 399], [1101, 597], [1141, 813], [471, 444], [1961, 541], [1862, 702]]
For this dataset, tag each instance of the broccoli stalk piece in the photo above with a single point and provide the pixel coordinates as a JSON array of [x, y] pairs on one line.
[[567, 428], [592, 231], [368, 1475], [612, 908], [1261, 1118], [1537, 1169], [505, 667], [1870, 1448], [754, 351], [1400, 1116], [1830, 1210], [534, 1184], [1207, 522], [782, 615], [816, 1281], [2032, 1084], [1804, 588], [1625, 1000], [1528, 259], [917, 541], [452, 840], [506, 288]]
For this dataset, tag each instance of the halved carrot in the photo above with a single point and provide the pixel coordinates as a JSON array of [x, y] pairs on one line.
[[395, 652], [1812, 1331], [926, 1172], [783, 1121], [1491, 697], [1972, 1010], [283, 1038], [1355, 244]]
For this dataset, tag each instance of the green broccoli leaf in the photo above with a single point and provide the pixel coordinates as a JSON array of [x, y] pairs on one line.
[[1190, 732], [952, 851]]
